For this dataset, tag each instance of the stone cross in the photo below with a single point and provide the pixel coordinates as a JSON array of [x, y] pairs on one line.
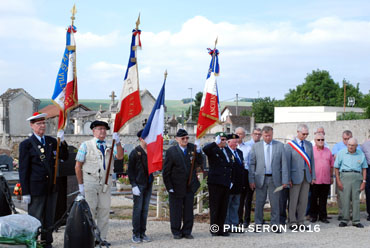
[[112, 96]]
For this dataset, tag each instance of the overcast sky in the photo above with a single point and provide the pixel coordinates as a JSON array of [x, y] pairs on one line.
[[266, 47]]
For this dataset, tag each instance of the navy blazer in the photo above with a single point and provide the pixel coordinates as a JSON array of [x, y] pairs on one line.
[[176, 170], [237, 173], [34, 177], [219, 167]]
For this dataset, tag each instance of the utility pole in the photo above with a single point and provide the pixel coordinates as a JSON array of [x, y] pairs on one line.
[[236, 104], [191, 103], [344, 96]]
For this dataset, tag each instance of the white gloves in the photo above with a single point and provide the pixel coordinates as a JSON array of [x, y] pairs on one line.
[[136, 191], [115, 136], [197, 143], [171, 191], [60, 135], [218, 139], [81, 189], [27, 199]]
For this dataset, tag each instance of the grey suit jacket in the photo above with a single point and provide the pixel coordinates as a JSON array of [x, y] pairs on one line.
[[257, 165], [297, 166]]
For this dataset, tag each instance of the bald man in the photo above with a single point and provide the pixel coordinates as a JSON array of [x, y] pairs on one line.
[[350, 171]]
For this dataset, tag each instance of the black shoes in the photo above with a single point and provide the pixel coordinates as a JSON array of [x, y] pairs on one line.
[[313, 220], [342, 224], [368, 218], [177, 236], [358, 225], [188, 236], [325, 221]]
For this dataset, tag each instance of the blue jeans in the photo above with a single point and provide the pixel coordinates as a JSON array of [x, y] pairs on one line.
[[232, 217], [140, 210]]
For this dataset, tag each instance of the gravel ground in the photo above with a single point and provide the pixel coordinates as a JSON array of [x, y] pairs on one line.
[[329, 235]]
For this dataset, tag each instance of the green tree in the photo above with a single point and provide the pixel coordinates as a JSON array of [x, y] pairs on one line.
[[263, 109], [351, 91], [196, 106], [319, 89], [367, 105]]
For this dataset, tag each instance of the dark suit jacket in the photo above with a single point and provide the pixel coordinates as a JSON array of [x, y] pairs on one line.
[[237, 174], [219, 168], [138, 167], [35, 178], [176, 170]]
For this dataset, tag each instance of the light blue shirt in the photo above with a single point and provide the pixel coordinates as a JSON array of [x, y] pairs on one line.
[[346, 161], [245, 148], [340, 146], [39, 138], [268, 169], [81, 154]]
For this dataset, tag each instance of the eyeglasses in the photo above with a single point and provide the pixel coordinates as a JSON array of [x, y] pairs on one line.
[[40, 123], [223, 139], [304, 134], [257, 134], [320, 139], [184, 138]]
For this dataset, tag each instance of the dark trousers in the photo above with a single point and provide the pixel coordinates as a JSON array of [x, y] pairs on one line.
[[246, 199], [319, 197], [43, 208], [140, 210], [181, 210], [218, 202], [283, 203]]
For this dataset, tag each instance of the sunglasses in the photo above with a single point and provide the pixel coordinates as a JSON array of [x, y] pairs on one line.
[[320, 139], [305, 134], [184, 138], [223, 139]]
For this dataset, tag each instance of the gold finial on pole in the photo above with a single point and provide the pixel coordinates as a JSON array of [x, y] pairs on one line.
[[138, 22], [165, 75], [73, 11]]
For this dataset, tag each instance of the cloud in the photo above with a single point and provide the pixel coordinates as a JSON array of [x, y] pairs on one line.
[[105, 71], [265, 57]]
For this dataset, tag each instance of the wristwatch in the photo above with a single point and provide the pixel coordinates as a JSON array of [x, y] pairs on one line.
[[364, 181]]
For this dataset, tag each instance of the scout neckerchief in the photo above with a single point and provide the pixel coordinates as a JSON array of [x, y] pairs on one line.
[[301, 152]]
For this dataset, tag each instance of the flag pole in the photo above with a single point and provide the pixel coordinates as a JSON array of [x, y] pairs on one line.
[[105, 186], [195, 146], [56, 164]]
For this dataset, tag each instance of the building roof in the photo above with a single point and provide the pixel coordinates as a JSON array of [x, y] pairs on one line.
[[238, 120], [232, 109], [53, 111], [13, 92]]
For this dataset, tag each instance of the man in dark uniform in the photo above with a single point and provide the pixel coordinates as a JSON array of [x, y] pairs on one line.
[[219, 182], [142, 184], [176, 173], [36, 174], [237, 180]]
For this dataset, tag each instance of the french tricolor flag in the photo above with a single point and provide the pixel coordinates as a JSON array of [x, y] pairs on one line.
[[129, 105], [153, 134], [65, 91]]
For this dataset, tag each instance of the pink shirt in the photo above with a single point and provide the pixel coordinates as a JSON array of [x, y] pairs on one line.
[[324, 161]]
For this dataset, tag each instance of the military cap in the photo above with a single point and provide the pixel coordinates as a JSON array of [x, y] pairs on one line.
[[232, 136], [37, 116], [181, 133], [222, 134], [99, 123]]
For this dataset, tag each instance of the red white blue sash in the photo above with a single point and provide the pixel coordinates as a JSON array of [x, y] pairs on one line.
[[301, 152]]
